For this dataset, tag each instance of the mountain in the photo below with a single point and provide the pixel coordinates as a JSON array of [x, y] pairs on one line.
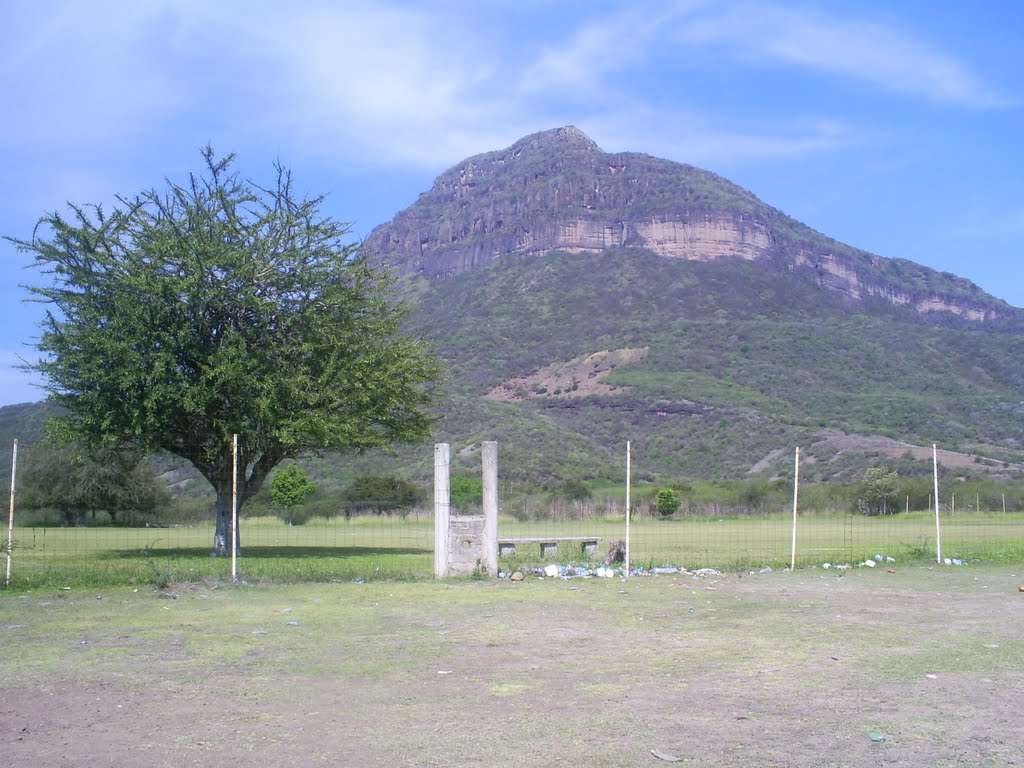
[[557, 191], [582, 299]]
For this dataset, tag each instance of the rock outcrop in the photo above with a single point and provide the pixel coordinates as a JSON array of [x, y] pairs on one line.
[[558, 191]]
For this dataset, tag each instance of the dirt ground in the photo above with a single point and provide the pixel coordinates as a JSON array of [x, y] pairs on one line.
[[922, 667]]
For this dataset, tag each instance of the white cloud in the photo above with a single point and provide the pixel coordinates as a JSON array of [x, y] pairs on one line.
[[859, 49], [391, 83], [579, 65], [85, 72], [374, 80]]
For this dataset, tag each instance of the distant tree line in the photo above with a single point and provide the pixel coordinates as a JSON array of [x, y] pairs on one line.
[[64, 481]]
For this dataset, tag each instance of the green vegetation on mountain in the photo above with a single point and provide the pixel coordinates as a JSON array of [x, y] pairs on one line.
[[742, 361]]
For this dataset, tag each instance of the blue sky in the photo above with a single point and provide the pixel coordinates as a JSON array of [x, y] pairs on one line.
[[894, 127]]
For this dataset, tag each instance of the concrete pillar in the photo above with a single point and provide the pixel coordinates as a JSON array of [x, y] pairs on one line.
[[442, 508], [490, 505]]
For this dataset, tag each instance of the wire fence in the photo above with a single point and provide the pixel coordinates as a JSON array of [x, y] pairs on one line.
[[736, 540], [364, 540]]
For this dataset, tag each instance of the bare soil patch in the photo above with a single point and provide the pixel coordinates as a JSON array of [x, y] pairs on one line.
[[738, 670], [834, 442], [580, 377]]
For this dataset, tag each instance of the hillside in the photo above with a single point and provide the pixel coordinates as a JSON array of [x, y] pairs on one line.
[[715, 344]]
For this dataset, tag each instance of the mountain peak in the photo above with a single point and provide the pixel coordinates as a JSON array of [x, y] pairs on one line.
[[556, 190], [568, 137]]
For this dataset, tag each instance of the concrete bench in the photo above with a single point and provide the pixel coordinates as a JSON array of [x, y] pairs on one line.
[[548, 544]]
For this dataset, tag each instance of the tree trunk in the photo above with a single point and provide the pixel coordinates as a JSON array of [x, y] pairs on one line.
[[222, 534]]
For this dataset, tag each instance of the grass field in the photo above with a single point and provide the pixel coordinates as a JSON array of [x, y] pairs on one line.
[[811, 668], [373, 549]]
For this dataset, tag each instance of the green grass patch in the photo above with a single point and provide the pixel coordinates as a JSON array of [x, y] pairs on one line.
[[380, 549]]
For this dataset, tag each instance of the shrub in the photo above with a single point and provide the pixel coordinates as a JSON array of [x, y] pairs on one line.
[[572, 490], [877, 492], [380, 494], [466, 491], [289, 490], [667, 502]]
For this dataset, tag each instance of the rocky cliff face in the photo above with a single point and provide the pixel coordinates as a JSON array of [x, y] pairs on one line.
[[557, 191]]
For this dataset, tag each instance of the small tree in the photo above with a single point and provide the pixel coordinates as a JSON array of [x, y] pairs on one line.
[[290, 487], [755, 495], [380, 494], [573, 490], [877, 492], [667, 502]]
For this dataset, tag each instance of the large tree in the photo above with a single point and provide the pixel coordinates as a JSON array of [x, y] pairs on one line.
[[222, 307]]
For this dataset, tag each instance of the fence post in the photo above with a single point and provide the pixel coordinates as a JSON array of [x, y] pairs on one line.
[[625, 562], [10, 515], [938, 532], [234, 507], [796, 491], [442, 508], [490, 487]]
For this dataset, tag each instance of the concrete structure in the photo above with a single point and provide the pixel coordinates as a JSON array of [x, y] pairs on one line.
[[465, 544]]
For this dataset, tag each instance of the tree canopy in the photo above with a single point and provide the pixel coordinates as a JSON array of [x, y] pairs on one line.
[[381, 493], [221, 307], [290, 487], [78, 478], [877, 491]]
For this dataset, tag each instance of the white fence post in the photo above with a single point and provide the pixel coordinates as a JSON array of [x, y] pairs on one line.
[[938, 531], [442, 508], [490, 503], [234, 507], [796, 491], [10, 516], [625, 563]]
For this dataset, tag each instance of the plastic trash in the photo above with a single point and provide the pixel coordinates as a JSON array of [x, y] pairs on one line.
[[869, 563], [666, 756], [878, 736], [293, 623]]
